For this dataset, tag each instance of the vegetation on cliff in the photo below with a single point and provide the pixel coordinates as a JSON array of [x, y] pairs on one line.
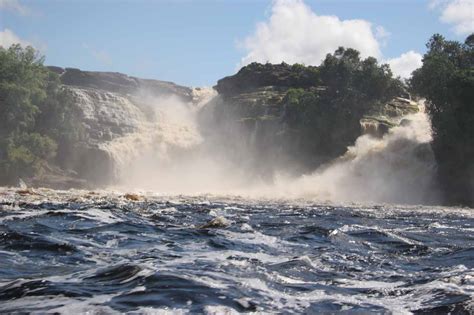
[[37, 127], [446, 80], [326, 121], [257, 75], [317, 110]]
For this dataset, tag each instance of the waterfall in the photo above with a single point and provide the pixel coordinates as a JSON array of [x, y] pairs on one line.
[[171, 125], [163, 148], [122, 130], [397, 168], [166, 152]]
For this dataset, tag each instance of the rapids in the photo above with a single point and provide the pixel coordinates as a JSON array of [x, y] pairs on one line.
[[74, 252], [214, 240]]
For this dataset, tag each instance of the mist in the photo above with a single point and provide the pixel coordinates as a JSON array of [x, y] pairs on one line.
[[169, 153], [183, 148], [398, 168]]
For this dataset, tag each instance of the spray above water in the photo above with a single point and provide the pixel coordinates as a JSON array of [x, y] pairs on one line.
[[170, 155], [169, 125], [397, 168]]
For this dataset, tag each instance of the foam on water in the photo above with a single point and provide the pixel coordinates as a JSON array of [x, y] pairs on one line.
[[293, 256], [398, 168]]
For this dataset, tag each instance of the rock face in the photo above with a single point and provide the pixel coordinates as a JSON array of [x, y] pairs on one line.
[[110, 106], [378, 122], [251, 120], [120, 83], [253, 104], [258, 75]]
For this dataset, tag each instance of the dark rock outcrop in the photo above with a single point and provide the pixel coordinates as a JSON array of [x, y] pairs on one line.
[[257, 75], [253, 106], [120, 83]]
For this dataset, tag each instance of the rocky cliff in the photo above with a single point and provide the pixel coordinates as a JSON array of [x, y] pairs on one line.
[[110, 106], [289, 118], [282, 113]]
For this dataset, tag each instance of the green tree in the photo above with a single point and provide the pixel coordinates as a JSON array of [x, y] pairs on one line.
[[325, 121], [446, 80], [35, 113]]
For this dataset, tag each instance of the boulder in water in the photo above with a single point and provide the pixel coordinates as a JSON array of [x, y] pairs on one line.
[[218, 222], [27, 191], [133, 197]]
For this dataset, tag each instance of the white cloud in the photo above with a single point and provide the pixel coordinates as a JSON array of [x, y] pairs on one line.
[[15, 6], [459, 13], [434, 4], [404, 65], [294, 33], [8, 38]]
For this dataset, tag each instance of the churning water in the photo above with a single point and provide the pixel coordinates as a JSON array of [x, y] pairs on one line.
[[105, 252], [75, 251]]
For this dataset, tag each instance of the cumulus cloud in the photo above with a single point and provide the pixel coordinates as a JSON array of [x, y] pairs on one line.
[[404, 65], [458, 13], [8, 38], [15, 6], [294, 33]]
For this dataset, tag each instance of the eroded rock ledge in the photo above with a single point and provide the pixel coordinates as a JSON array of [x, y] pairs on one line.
[[120, 83]]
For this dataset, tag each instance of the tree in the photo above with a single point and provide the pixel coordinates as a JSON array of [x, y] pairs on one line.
[[326, 121], [446, 80], [35, 111]]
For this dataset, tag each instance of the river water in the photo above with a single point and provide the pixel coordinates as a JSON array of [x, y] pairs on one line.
[[102, 252]]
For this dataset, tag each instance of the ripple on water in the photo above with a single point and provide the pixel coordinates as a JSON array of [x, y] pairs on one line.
[[77, 252]]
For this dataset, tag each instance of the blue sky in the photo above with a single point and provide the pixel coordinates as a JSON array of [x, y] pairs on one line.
[[196, 43]]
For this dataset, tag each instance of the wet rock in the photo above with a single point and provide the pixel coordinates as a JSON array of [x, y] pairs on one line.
[[218, 222], [133, 197], [25, 192], [247, 304], [56, 178], [121, 83], [109, 105]]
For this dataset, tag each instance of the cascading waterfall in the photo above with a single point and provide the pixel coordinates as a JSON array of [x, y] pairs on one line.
[[168, 153], [172, 126], [124, 130], [397, 168]]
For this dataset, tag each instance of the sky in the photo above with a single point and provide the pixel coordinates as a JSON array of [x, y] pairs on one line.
[[195, 43]]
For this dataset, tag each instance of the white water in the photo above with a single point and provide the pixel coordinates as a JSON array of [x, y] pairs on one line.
[[397, 168], [168, 154], [171, 127]]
